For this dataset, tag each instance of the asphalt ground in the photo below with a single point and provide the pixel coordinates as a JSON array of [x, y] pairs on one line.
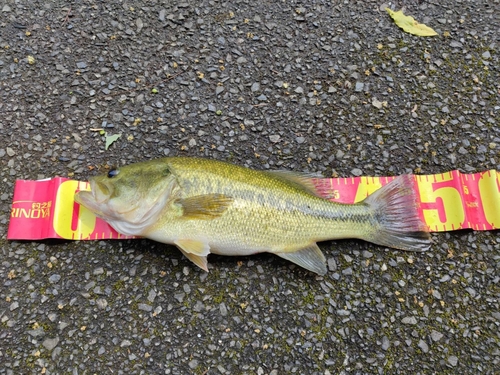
[[319, 86]]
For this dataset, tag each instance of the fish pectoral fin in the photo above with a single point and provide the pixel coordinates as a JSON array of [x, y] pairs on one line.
[[195, 251], [310, 258], [207, 206]]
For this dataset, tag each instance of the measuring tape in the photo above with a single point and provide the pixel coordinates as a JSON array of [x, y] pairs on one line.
[[448, 201]]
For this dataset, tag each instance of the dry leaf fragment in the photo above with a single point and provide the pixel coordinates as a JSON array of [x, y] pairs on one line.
[[408, 24]]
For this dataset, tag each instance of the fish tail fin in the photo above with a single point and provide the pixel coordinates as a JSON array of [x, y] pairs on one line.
[[395, 210]]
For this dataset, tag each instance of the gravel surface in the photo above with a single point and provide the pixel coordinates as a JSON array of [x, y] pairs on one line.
[[332, 87]]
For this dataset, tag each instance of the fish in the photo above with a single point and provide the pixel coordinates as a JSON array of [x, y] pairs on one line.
[[205, 206]]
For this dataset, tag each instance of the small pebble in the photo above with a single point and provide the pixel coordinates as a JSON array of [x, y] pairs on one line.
[[409, 320], [50, 343], [453, 360], [54, 278], [255, 87], [359, 86]]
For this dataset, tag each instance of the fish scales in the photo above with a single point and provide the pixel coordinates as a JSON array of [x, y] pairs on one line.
[[261, 198]]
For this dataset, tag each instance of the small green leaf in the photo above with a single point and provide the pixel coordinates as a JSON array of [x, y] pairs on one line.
[[408, 24], [154, 91], [218, 112], [110, 139]]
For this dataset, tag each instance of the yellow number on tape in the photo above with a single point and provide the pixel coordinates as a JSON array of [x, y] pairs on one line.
[[66, 223], [489, 189], [441, 202]]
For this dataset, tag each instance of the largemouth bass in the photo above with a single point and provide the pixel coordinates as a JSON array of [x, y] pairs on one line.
[[205, 206]]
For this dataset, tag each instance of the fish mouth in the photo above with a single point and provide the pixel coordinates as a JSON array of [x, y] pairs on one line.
[[92, 200], [99, 200], [86, 199]]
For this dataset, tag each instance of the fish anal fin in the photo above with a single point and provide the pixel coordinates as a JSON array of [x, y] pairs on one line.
[[310, 258], [193, 246], [205, 207], [195, 251], [196, 259]]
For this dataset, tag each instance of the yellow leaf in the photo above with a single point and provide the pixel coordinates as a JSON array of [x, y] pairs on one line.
[[408, 24]]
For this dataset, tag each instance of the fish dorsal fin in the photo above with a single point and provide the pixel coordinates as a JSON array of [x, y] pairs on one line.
[[195, 251], [310, 258], [303, 181], [206, 206]]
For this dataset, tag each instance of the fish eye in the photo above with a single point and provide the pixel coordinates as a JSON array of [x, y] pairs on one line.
[[113, 172]]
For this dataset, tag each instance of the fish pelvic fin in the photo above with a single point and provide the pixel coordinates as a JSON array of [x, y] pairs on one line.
[[311, 258], [395, 210], [195, 251], [205, 207]]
